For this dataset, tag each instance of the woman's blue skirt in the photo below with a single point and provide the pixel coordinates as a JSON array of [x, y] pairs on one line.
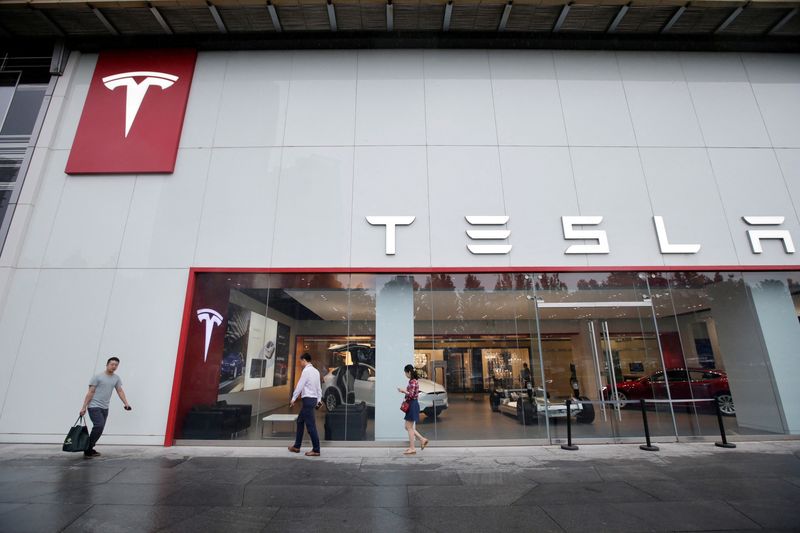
[[413, 411]]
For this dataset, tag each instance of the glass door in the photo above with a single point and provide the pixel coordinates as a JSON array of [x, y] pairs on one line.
[[598, 340]]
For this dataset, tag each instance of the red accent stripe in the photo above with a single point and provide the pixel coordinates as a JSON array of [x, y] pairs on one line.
[[169, 435], [502, 269]]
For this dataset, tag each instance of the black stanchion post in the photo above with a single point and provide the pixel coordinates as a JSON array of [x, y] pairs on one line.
[[646, 447], [724, 443], [569, 445]]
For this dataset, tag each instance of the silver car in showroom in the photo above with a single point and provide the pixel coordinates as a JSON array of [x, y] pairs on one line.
[[353, 384]]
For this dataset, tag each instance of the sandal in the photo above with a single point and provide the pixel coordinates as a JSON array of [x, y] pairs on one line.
[[424, 443], [410, 452]]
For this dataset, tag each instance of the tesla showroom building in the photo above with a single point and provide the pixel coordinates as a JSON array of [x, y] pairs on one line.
[[530, 201]]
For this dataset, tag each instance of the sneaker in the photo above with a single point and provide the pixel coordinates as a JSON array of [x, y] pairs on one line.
[[91, 453]]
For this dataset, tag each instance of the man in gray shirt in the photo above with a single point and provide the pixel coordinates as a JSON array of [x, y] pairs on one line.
[[100, 388]]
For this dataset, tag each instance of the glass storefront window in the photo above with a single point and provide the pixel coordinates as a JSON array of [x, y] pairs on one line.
[[498, 355]]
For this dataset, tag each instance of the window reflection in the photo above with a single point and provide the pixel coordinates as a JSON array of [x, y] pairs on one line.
[[498, 354]]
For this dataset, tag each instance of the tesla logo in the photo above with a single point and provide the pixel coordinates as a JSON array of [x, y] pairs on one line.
[[136, 91], [211, 318], [147, 91]]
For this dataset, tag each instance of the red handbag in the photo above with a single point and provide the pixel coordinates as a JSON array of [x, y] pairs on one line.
[[405, 406]]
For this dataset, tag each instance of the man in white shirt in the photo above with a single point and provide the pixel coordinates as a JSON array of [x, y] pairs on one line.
[[309, 389]]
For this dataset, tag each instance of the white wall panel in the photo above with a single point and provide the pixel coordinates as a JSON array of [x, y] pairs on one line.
[[458, 98], [45, 207], [73, 103], [539, 190], [390, 106], [683, 191], [252, 111], [13, 239], [775, 79], [464, 181], [658, 99], [59, 350], [723, 100], [314, 208], [88, 227], [595, 110], [751, 184], [142, 329], [14, 314], [238, 213], [390, 181], [202, 109], [164, 219], [526, 100], [789, 162], [322, 99], [610, 183]]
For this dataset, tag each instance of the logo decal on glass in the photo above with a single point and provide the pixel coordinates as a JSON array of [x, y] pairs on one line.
[[136, 91], [211, 318]]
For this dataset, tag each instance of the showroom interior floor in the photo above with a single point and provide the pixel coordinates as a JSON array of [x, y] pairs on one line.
[[469, 417]]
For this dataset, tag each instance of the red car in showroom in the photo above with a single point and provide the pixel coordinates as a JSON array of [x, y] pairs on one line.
[[684, 383]]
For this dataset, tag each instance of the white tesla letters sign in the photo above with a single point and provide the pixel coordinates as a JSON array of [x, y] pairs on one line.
[[481, 237]]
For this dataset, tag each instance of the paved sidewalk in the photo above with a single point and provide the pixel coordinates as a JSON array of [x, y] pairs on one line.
[[684, 487]]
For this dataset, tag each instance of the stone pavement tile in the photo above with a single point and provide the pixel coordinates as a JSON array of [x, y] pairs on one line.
[[58, 474], [111, 461], [225, 520], [630, 472], [209, 463], [594, 517], [24, 492], [464, 496], [793, 480], [218, 494], [108, 493], [720, 489], [496, 478], [40, 518], [5, 507], [563, 474], [149, 475], [775, 514], [387, 496], [687, 516], [292, 461], [411, 477], [609, 491], [306, 476], [129, 518], [481, 519], [232, 475], [343, 520], [288, 495]]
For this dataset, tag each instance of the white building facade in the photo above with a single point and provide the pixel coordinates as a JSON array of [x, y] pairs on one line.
[[623, 223]]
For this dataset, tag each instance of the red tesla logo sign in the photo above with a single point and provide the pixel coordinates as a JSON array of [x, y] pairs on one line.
[[133, 115]]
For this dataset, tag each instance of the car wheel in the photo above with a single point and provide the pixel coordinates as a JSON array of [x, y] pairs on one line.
[[586, 416], [618, 397], [725, 402], [331, 400]]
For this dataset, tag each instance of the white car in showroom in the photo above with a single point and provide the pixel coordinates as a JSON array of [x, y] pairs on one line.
[[355, 383]]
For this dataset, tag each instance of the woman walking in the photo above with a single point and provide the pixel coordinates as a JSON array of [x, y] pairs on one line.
[[412, 413]]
